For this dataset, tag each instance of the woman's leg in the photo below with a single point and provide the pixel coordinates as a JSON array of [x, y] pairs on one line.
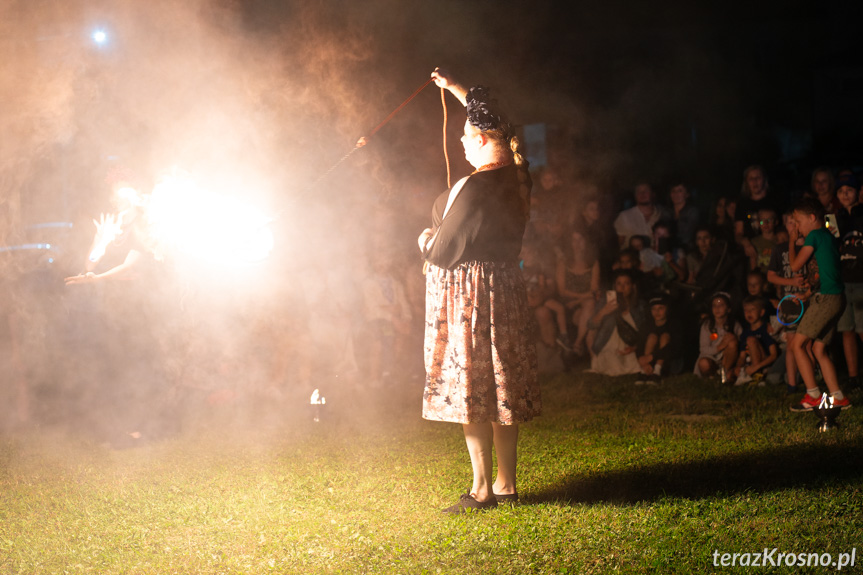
[[480, 439], [506, 447], [559, 314], [580, 319]]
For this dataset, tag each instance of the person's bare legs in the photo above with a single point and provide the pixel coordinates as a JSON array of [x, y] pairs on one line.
[[480, 439], [580, 319], [547, 327], [506, 448], [828, 370], [790, 360]]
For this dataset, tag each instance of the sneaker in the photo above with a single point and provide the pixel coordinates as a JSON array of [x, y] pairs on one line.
[[843, 403], [743, 378], [653, 379], [808, 403]]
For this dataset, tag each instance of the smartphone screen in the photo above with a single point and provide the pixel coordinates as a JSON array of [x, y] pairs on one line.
[[611, 295], [832, 226]]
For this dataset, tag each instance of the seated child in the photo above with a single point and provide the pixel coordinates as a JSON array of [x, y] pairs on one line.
[[765, 241], [758, 350], [661, 343], [718, 346]]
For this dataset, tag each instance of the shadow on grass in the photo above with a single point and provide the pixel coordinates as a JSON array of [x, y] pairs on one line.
[[806, 466]]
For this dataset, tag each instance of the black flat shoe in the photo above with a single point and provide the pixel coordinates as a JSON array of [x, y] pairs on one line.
[[467, 504], [507, 498]]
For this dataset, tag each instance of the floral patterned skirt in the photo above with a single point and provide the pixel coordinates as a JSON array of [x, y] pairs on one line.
[[480, 355]]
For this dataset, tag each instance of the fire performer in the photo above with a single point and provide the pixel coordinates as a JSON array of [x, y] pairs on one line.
[[479, 352]]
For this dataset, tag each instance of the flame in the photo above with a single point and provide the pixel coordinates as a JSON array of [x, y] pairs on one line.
[[207, 226], [826, 401], [317, 399]]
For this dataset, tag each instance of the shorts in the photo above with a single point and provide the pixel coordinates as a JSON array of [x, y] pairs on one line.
[[822, 315], [852, 318]]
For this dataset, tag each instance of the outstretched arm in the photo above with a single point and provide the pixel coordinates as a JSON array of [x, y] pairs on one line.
[[120, 272], [443, 79]]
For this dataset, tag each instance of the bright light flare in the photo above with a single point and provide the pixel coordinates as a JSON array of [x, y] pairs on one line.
[[99, 36], [317, 398], [108, 228], [207, 226]]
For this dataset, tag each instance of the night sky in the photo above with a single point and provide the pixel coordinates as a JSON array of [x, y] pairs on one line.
[[625, 90]]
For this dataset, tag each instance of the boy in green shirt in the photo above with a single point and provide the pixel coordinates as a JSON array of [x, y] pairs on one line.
[[825, 304]]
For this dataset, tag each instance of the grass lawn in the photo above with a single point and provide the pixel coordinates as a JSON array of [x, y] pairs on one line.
[[613, 478]]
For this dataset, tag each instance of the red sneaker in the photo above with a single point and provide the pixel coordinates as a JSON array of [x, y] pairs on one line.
[[808, 403], [843, 403]]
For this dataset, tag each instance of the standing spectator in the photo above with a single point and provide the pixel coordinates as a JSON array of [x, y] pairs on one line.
[[825, 305], [616, 329], [850, 223], [754, 196], [824, 190], [684, 214], [578, 286], [640, 219]]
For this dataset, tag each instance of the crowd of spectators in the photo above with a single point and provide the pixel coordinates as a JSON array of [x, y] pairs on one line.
[[663, 287]]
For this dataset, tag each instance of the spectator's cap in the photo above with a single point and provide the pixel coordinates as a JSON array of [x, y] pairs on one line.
[[849, 180], [659, 300]]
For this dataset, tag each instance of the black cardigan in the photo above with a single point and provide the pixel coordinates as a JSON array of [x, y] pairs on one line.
[[485, 223]]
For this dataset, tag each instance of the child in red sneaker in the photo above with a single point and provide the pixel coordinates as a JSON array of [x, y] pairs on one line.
[[825, 305]]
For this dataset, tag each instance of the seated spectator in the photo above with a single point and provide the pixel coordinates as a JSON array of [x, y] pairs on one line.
[[757, 286], [754, 197], [718, 346], [386, 316], [685, 216], [704, 240], [671, 255], [758, 350], [722, 219], [661, 349], [578, 285], [548, 311], [640, 219], [599, 233], [630, 260], [765, 240], [616, 329]]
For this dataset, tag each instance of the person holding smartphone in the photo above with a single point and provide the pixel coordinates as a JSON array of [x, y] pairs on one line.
[[615, 330]]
